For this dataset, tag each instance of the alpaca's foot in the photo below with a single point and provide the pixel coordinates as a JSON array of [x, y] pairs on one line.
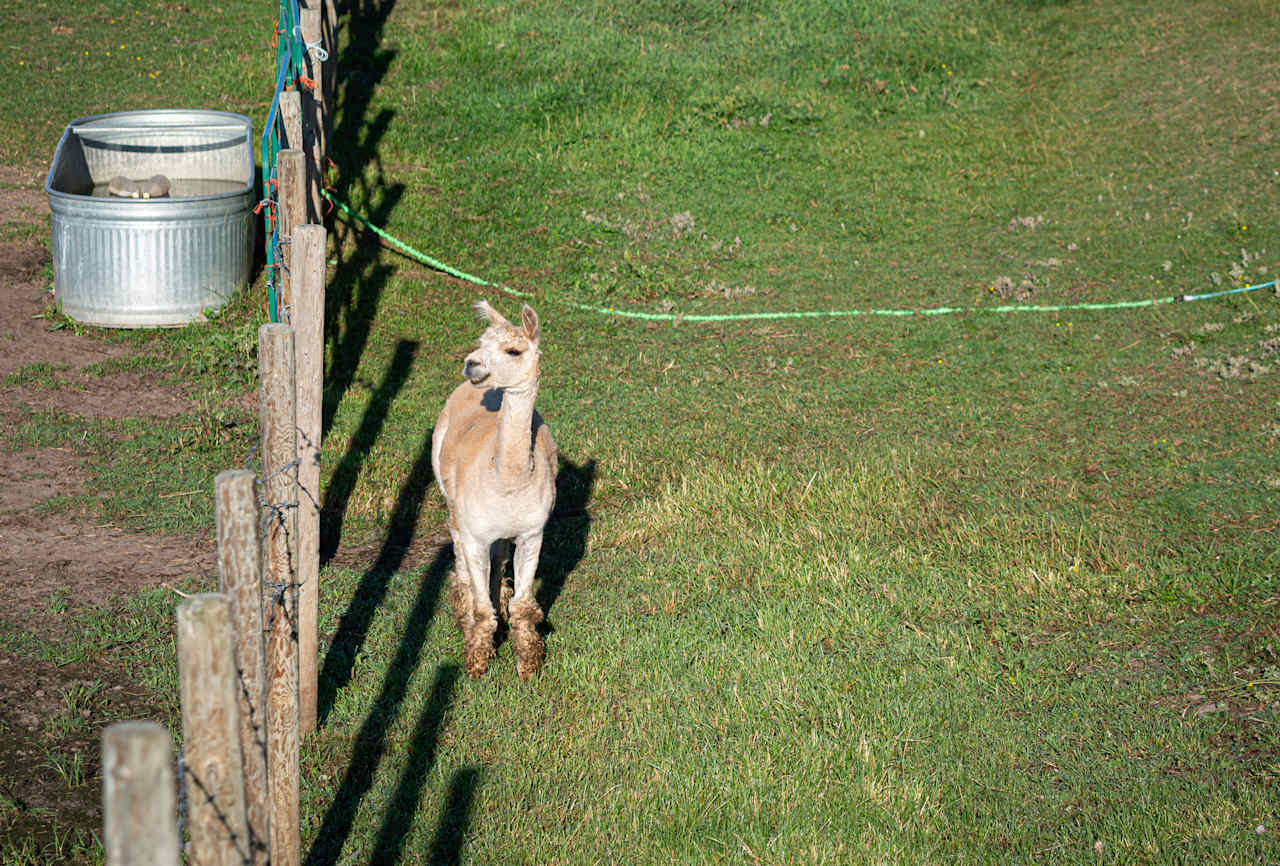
[[460, 601], [530, 647], [478, 642]]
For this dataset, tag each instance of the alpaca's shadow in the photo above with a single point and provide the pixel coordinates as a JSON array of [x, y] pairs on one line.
[[564, 541]]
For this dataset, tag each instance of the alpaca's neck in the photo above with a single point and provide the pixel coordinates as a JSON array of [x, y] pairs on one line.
[[514, 458]]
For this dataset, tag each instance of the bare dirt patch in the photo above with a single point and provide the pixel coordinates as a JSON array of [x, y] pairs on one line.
[[27, 339], [57, 559], [24, 201], [33, 477], [71, 558], [121, 395], [51, 717], [54, 564], [49, 556]]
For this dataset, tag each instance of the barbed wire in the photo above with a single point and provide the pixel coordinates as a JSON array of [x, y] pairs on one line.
[[211, 800], [248, 461], [293, 62], [182, 794], [275, 515]]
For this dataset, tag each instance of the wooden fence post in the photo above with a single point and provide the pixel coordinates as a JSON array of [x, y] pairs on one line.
[[236, 514], [329, 34], [315, 108], [328, 28], [308, 318], [280, 488], [139, 796], [291, 194], [211, 731], [290, 120]]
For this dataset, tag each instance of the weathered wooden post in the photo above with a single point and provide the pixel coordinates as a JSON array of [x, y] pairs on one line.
[[139, 796], [329, 34], [280, 488], [291, 194], [211, 731], [327, 25], [236, 515], [308, 324], [290, 120], [315, 107]]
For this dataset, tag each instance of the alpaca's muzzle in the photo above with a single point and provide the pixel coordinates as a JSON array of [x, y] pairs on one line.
[[474, 369]]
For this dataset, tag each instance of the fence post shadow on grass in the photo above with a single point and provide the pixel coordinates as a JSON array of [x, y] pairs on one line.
[[337, 493], [446, 850], [353, 625], [564, 541], [398, 821], [356, 285], [370, 742]]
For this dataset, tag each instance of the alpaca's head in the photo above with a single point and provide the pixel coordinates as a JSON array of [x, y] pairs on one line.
[[508, 354]]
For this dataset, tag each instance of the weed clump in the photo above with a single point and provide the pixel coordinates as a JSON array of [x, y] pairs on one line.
[[720, 289], [1233, 367], [1008, 290], [682, 224], [1026, 222]]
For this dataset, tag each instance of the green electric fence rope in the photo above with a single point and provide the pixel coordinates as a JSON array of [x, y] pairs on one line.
[[801, 314]]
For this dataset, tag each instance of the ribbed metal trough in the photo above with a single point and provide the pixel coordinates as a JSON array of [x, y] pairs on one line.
[[157, 262]]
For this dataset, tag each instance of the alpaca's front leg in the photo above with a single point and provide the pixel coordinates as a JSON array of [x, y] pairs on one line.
[[478, 639], [524, 613], [460, 584]]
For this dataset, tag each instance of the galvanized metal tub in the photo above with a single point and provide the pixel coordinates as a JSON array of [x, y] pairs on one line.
[[160, 262]]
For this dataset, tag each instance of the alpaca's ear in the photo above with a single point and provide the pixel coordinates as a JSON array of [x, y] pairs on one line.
[[529, 319], [485, 311]]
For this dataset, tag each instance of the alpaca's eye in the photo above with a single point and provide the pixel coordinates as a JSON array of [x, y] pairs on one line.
[[515, 353]]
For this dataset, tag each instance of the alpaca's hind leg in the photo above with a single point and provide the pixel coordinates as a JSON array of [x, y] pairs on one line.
[[478, 639], [499, 559], [525, 615]]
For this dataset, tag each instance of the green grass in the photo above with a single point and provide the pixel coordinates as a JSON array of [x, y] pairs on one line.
[[973, 588], [11, 232], [41, 375]]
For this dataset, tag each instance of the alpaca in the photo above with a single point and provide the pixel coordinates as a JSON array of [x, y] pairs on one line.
[[495, 463]]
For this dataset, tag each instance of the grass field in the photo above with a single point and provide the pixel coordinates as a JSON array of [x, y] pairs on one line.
[[970, 588]]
